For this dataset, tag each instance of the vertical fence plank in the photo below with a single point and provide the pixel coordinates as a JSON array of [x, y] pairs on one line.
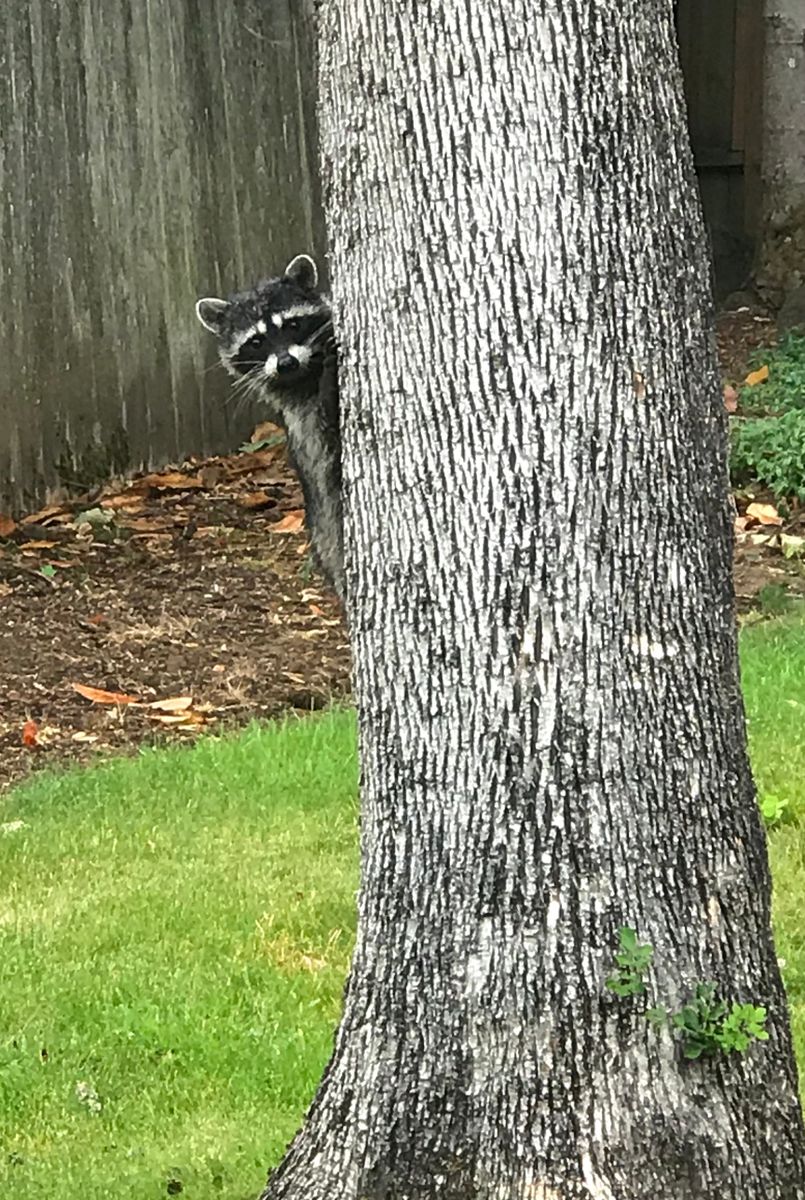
[[151, 150]]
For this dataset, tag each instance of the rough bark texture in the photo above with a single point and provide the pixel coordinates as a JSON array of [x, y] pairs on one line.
[[782, 255], [540, 601]]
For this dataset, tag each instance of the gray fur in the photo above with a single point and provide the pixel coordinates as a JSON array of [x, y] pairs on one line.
[[277, 341]]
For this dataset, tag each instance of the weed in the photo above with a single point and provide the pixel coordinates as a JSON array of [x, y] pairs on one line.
[[632, 962], [768, 444]]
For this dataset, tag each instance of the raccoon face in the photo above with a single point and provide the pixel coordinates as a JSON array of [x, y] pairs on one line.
[[277, 333]]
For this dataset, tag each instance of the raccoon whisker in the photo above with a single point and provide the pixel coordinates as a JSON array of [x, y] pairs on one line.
[[325, 327], [246, 384]]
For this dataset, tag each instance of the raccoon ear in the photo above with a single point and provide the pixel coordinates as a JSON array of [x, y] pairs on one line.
[[303, 271], [210, 312]]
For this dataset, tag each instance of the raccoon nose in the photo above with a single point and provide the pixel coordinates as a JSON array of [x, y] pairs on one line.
[[286, 363]]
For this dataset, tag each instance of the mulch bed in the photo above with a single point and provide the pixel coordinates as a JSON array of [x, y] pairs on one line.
[[188, 591]]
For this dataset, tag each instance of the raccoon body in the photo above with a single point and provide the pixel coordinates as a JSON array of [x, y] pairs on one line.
[[277, 341]]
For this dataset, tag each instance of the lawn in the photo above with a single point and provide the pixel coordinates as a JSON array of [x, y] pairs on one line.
[[174, 932]]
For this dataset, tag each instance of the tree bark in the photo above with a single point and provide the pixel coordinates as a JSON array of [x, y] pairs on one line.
[[781, 266], [541, 612]]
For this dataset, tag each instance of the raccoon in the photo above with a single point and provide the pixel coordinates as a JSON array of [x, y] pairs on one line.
[[277, 341]]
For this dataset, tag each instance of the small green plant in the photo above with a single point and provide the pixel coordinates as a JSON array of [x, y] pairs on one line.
[[768, 441], [772, 808], [708, 1025], [263, 444], [771, 451], [632, 962], [785, 387]]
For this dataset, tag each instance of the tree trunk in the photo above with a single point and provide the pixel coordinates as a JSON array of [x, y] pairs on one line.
[[541, 611], [782, 255]]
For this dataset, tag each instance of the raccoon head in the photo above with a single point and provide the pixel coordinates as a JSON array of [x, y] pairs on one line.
[[277, 333]]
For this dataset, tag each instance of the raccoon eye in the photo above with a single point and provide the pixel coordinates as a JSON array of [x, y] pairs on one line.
[[294, 325], [255, 340]]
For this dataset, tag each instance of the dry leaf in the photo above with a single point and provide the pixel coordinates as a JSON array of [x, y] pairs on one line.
[[317, 612], [99, 696], [45, 516], [83, 736], [756, 377], [185, 718], [730, 398], [766, 514], [129, 501], [212, 474], [30, 732], [38, 545], [147, 524], [7, 525], [264, 431], [62, 563], [292, 522], [740, 524], [172, 480], [173, 704], [254, 500], [303, 549]]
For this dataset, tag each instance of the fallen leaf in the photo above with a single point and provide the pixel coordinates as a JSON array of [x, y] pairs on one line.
[[6, 589], [303, 549], [317, 612], [172, 480], [63, 564], [129, 501], [99, 696], [147, 524], [212, 474], [7, 525], [45, 516], [185, 718], [730, 398], [292, 522], [173, 704], [740, 524], [38, 545], [265, 430], [766, 514], [30, 731], [756, 377], [253, 500], [83, 736]]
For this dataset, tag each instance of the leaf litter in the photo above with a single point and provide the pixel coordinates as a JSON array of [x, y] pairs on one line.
[[152, 609]]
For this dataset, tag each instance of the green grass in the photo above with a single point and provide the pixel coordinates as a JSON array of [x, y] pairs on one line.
[[174, 931], [773, 675]]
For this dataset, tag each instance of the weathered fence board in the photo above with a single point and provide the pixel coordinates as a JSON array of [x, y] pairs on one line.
[[149, 150]]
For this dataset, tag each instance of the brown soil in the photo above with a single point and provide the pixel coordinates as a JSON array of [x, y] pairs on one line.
[[189, 595], [191, 587]]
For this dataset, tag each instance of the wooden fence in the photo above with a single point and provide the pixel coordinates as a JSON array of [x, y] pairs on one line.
[[150, 151], [153, 150]]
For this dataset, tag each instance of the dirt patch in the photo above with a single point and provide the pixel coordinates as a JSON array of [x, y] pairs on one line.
[[198, 592], [192, 586]]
